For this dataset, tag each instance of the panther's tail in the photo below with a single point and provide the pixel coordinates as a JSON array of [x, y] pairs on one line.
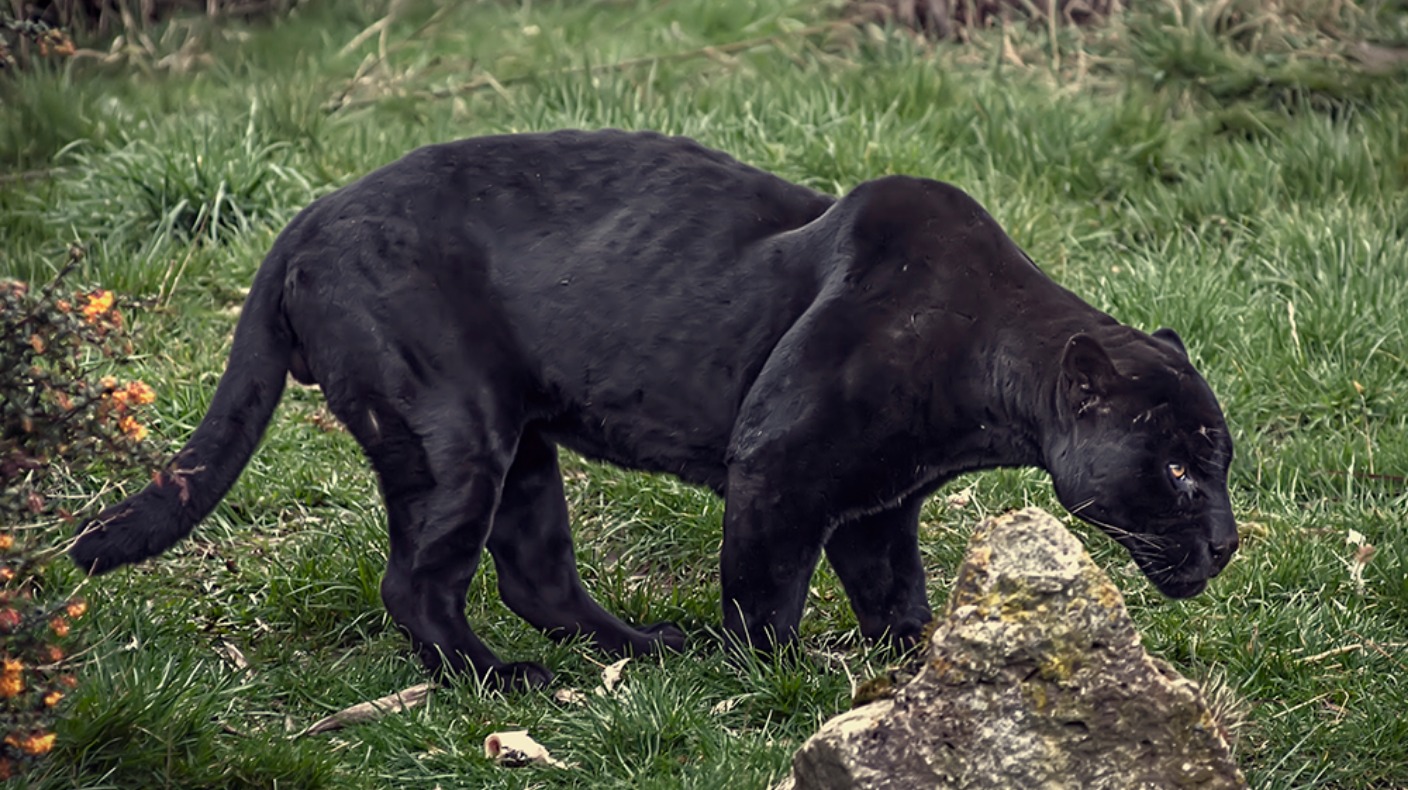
[[189, 487]]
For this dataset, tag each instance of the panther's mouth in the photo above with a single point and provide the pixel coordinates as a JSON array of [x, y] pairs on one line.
[[1175, 588], [1175, 577], [1178, 563]]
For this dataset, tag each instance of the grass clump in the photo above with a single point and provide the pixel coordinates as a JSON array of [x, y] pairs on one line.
[[189, 187]]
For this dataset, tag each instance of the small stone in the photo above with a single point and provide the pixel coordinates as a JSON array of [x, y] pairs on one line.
[[1035, 678]]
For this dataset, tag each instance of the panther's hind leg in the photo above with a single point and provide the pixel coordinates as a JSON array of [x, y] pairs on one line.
[[531, 543], [876, 557], [442, 467]]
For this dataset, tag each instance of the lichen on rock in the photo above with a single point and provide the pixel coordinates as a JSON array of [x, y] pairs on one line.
[[1034, 678]]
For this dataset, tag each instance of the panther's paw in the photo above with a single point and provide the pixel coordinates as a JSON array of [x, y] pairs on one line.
[[517, 676], [909, 633], [665, 635]]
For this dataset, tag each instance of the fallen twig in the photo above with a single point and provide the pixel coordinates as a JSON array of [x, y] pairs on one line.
[[1369, 476], [1330, 653], [371, 710], [1378, 648]]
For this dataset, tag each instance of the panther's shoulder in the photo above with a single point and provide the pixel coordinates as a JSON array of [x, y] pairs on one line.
[[902, 223]]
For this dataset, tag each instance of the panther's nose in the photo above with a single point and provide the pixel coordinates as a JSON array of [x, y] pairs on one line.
[[1222, 551]]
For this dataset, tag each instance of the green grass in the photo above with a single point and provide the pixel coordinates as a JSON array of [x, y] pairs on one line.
[[1208, 166]]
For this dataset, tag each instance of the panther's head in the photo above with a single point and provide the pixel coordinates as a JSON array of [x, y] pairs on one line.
[[1142, 452]]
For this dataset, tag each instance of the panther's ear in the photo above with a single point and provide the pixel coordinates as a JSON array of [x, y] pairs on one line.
[[1087, 366], [1171, 337]]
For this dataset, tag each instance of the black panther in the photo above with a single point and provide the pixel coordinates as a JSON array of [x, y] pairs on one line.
[[823, 364]]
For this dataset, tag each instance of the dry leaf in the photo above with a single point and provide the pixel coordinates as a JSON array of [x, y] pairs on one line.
[[1364, 550], [372, 710], [229, 652], [724, 706], [960, 499], [569, 696], [610, 677], [514, 749]]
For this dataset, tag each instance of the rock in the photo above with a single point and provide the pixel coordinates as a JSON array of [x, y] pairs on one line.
[[1034, 678]]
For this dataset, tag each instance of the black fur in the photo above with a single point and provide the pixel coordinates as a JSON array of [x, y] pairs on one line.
[[823, 364]]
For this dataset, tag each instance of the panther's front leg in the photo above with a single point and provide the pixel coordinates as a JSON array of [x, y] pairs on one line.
[[819, 442], [876, 557], [773, 539], [774, 532]]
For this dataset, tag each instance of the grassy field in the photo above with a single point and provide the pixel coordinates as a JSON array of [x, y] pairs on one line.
[[1236, 174]]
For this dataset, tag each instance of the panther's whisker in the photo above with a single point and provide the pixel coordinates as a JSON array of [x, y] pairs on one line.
[[1075, 511], [1155, 541]]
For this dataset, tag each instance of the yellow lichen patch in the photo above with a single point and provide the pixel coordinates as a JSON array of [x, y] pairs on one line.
[[872, 690], [1018, 606], [1105, 593], [1058, 666], [1036, 694]]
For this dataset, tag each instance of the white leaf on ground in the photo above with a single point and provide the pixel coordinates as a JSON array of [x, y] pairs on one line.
[[960, 499], [232, 654], [610, 677], [569, 697], [514, 749], [724, 706], [1363, 551], [372, 710]]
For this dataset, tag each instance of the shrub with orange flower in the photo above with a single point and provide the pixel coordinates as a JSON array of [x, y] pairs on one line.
[[56, 423], [47, 40]]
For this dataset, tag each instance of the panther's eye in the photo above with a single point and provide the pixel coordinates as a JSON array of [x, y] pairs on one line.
[[1181, 480]]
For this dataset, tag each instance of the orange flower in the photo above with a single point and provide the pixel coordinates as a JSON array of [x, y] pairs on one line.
[[59, 626], [53, 654], [99, 302], [76, 608], [63, 305], [11, 678], [6, 573], [52, 698], [68, 681], [34, 744], [37, 343], [135, 392], [134, 430], [108, 383], [6, 541], [9, 620], [140, 392]]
